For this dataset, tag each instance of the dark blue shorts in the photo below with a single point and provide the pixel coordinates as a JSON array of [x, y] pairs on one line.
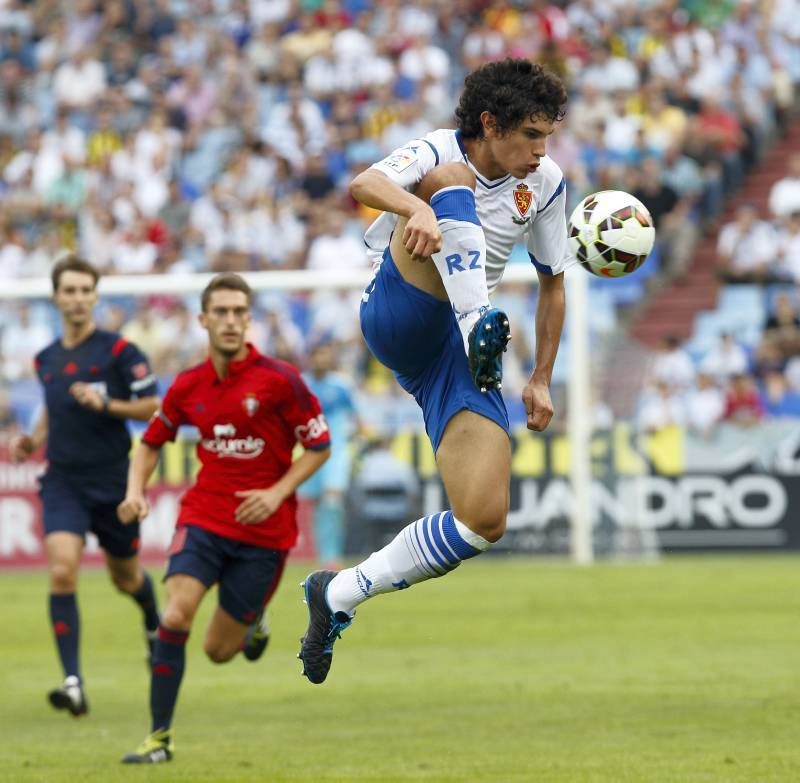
[[76, 503], [247, 575], [416, 336]]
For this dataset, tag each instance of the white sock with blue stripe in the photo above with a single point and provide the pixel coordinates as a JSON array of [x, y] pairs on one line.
[[430, 547], [462, 260]]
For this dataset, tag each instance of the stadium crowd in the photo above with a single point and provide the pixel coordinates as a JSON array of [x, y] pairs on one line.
[[168, 136], [748, 375], [753, 370]]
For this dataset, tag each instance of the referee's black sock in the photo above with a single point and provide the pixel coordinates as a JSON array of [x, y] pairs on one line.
[[169, 659], [145, 596], [66, 628]]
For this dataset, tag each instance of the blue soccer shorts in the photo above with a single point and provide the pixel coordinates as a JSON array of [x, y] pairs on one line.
[[416, 336], [75, 503], [247, 575]]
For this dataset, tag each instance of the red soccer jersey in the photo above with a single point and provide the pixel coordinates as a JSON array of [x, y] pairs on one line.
[[249, 422]]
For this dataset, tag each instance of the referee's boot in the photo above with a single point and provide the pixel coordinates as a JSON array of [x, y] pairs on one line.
[[487, 341], [324, 627], [257, 638], [156, 749], [70, 697]]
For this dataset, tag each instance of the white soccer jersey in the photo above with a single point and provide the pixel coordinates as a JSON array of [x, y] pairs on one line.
[[531, 210]]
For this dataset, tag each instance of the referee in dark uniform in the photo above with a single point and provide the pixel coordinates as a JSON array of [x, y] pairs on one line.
[[93, 381]]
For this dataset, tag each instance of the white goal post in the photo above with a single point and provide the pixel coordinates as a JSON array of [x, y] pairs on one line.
[[307, 280]]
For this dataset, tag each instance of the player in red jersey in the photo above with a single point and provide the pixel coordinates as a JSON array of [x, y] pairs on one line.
[[237, 522]]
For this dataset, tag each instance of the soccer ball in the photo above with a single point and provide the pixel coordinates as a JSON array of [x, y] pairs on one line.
[[611, 233]]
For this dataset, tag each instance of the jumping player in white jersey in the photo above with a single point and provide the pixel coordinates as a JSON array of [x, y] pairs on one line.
[[454, 204]]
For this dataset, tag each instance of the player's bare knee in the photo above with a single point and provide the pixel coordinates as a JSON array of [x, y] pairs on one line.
[[63, 578], [489, 527], [488, 519], [447, 175], [177, 618], [494, 531]]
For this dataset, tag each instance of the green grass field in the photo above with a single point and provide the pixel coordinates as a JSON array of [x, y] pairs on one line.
[[507, 670]]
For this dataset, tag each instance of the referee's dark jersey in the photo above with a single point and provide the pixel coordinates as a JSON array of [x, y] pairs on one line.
[[80, 439]]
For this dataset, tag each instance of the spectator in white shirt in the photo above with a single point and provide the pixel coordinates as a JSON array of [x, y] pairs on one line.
[[705, 406], [672, 365], [416, 19], [608, 73], [747, 247], [276, 234], [12, 254], [622, 126], [295, 128], [706, 77], [336, 247], [80, 82], [663, 409], [44, 163], [784, 197], [135, 255], [354, 44], [97, 233], [724, 361], [156, 140], [325, 74], [68, 140], [423, 60]]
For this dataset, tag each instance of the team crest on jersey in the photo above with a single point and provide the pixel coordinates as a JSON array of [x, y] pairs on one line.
[[523, 198], [250, 404]]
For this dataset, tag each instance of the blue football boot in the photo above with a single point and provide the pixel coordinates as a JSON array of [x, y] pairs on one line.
[[324, 627], [487, 342]]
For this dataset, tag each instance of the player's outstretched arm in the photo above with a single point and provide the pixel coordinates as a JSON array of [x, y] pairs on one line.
[[549, 323], [258, 504], [22, 446], [421, 236], [135, 508]]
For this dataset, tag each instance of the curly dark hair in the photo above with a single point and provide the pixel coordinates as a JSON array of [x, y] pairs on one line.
[[512, 90]]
